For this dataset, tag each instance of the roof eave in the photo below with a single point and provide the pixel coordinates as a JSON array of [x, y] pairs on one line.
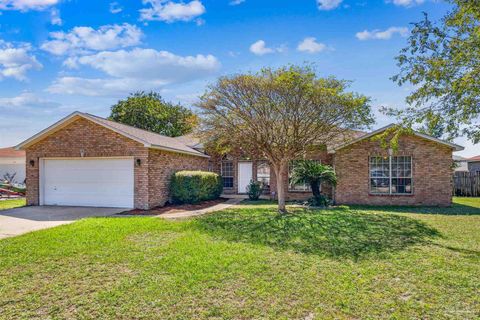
[[191, 153], [454, 146]]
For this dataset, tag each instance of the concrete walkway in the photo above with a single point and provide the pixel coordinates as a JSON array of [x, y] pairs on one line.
[[194, 213], [17, 221]]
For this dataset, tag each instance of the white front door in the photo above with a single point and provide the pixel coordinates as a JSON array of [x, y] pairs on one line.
[[104, 182], [245, 175]]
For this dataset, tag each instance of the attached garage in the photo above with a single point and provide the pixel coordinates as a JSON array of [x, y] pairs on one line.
[[105, 182], [85, 160]]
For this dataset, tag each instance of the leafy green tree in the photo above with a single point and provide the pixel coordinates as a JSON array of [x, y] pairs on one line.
[[150, 112], [442, 63], [280, 114], [313, 173]]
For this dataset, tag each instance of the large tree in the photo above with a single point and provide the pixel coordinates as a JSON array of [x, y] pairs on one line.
[[442, 63], [149, 111], [280, 114]]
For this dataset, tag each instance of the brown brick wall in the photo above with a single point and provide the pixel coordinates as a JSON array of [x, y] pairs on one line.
[[161, 166], [151, 177], [432, 173], [324, 158]]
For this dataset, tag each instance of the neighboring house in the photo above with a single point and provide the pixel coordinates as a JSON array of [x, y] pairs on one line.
[[86, 160], [461, 163], [474, 164], [12, 162]]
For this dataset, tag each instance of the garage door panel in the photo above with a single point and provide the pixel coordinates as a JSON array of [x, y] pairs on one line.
[[89, 182]]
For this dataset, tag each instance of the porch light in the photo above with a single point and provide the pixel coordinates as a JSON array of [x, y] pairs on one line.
[[139, 162], [32, 163]]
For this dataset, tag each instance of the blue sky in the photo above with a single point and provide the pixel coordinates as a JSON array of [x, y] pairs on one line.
[[58, 56]]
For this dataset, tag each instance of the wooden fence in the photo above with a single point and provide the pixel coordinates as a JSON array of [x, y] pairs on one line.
[[466, 184]]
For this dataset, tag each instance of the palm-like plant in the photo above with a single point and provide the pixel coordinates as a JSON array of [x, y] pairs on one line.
[[313, 173]]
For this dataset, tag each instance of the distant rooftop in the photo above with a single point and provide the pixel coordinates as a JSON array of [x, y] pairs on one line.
[[11, 153]]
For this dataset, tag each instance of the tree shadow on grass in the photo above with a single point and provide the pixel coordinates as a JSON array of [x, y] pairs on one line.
[[331, 233], [455, 210]]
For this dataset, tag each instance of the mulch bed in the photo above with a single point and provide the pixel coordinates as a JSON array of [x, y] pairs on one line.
[[173, 208]]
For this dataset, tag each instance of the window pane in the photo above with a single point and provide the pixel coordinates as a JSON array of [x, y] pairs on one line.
[[227, 174], [298, 186], [379, 185], [263, 174], [379, 175], [402, 185]]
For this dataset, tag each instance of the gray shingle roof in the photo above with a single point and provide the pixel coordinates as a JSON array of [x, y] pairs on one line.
[[148, 137]]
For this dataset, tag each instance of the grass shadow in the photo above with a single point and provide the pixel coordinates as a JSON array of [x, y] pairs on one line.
[[335, 233], [455, 210]]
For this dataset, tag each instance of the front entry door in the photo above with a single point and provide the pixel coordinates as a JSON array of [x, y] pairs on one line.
[[245, 175]]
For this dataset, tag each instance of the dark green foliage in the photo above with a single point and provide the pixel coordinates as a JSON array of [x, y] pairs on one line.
[[254, 190], [313, 173], [318, 201], [150, 112], [442, 64], [195, 186]]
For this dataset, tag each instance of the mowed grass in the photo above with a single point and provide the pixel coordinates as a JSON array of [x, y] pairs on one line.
[[14, 203], [250, 263]]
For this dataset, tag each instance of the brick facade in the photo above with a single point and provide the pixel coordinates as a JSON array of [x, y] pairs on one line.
[[151, 178], [432, 174], [431, 171], [431, 162]]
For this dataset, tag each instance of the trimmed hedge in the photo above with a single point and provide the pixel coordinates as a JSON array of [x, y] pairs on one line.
[[195, 186]]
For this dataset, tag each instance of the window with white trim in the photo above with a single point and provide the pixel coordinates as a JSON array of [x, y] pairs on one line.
[[263, 174], [390, 175], [304, 187], [227, 174]]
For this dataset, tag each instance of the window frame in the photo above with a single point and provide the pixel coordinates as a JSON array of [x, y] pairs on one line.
[[390, 177], [232, 174], [269, 178], [305, 185]]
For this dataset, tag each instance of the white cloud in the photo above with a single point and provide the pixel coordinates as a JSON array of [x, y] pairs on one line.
[[135, 69], [328, 4], [55, 17], [407, 3], [382, 35], [151, 64], [99, 86], [87, 39], [26, 100], [26, 5], [115, 7], [16, 61], [236, 2], [260, 48], [311, 45], [169, 11]]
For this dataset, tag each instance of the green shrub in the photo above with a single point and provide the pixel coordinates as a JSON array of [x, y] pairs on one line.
[[195, 186], [254, 190], [318, 201]]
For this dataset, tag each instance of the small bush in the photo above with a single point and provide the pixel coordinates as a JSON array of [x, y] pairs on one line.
[[254, 190], [318, 201], [195, 186]]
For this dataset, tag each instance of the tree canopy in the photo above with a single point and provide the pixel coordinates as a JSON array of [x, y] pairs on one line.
[[279, 114], [149, 111], [442, 63]]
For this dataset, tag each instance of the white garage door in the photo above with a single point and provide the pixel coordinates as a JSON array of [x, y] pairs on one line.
[[88, 182]]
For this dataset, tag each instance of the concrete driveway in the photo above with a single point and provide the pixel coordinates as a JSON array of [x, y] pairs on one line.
[[14, 222]]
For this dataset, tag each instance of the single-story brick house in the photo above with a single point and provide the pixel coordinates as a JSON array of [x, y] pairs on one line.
[[91, 161]]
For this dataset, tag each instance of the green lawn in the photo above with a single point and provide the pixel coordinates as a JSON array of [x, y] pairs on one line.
[[250, 263], [8, 204]]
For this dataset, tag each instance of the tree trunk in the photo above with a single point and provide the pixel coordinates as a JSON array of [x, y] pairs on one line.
[[280, 171], [315, 188]]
